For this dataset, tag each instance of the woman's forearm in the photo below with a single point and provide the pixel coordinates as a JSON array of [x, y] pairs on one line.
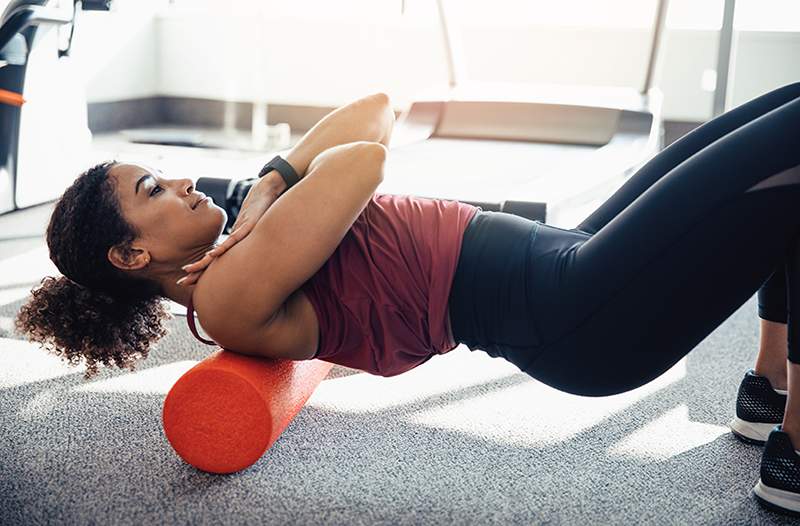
[[370, 119]]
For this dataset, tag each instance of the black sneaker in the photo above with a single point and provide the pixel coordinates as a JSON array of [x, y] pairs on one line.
[[779, 485], [759, 408]]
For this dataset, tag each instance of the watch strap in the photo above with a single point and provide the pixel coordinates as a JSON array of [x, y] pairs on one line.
[[284, 169]]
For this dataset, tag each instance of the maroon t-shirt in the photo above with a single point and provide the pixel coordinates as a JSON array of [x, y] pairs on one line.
[[381, 298]]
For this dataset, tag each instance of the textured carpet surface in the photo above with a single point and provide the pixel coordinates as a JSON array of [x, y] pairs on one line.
[[465, 438]]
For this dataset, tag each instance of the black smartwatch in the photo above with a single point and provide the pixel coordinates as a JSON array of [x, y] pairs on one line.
[[284, 169]]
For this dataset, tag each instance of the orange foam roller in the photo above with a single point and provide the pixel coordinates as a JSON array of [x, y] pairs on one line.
[[226, 411]]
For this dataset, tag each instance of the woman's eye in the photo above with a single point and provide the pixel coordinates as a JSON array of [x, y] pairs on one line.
[[153, 191]]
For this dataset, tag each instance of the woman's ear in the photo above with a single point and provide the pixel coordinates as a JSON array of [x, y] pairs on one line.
[[126, 257]]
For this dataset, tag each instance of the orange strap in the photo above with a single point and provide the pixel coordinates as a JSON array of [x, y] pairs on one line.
[[11, 98]]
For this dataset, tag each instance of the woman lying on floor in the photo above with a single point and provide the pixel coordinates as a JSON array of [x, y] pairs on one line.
[[334, 271]]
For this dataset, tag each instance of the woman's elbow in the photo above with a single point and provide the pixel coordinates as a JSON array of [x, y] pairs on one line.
[[377, 153], [387, 117], [382, 98]]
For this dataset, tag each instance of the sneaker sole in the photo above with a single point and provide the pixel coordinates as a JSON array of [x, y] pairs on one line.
[[784, 501], [751, 432]]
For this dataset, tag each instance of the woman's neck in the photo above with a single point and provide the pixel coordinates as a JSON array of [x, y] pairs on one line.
[[169, 277]]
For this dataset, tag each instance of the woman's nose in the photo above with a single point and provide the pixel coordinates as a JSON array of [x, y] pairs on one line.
[[187, 185]]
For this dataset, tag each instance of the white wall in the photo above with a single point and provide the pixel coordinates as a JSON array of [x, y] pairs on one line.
[[117, 51], [295, 58]]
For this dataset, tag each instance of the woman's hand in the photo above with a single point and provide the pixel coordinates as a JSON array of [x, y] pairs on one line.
[[258, 200]]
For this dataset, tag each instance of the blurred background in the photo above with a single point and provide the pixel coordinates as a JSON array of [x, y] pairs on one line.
[[323, 54], [227, 73]]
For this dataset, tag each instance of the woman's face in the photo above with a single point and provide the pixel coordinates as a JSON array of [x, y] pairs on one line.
[[173, 220]]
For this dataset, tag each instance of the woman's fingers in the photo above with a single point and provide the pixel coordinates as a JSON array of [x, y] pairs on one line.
[[225, 245], [243, 230], [231, 240], [241, 221], [194, 270], [236, 236], [197, 265], [189, 279], [200, 264]]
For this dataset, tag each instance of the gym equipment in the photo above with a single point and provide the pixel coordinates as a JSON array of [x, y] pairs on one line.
[[561, 146], [226, 411], [229, 194], [35, 117]]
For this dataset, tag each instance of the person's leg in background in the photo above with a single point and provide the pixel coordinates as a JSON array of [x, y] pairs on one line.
[[779, 481], [773, 347], [791, 422], [761, 398]]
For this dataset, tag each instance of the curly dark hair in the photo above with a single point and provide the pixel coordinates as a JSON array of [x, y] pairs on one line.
[[94, 311]]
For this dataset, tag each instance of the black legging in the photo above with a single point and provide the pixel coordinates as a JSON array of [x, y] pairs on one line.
[[613, 303]]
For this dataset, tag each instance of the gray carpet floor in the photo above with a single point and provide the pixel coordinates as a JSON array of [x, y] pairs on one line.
[[463, 439]]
